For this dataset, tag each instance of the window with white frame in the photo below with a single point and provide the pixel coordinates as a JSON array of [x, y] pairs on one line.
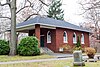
[[74, 38], [48, 37], [82, 39], [65, 40]]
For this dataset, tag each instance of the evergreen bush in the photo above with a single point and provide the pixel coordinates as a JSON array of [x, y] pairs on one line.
[[28, 46], [4, 47], [78, 44]]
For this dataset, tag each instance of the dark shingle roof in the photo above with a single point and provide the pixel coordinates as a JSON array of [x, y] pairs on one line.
[[50, 22]]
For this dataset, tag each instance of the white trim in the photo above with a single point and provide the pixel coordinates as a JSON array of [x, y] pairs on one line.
[[82, 43], [48, 41], [25, 28], [33, 27], [35, 24], [49, 27], [74, 42]]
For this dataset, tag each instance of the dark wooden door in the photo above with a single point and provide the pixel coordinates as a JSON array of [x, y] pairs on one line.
[[42, 41]]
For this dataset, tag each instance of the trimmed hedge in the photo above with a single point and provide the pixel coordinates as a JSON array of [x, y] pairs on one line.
[[28, 46], [4, 47]]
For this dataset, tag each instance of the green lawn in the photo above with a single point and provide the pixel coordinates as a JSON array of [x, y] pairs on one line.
[[59, 63], [5, 58]]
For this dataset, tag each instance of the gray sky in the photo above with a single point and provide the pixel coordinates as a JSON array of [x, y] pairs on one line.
[[72, 10]]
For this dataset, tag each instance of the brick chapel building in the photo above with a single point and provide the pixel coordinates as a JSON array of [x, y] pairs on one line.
[[53, 33]]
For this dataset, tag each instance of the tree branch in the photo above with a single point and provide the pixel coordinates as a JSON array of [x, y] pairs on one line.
[[3, 4], [43, 3], [25, 6], [39, 9], [22, 9], [5, 17], [29, 2], [7, 3], [30, 16]]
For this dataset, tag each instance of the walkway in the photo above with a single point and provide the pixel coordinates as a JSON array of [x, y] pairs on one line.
[[40, 60], [58, 56]]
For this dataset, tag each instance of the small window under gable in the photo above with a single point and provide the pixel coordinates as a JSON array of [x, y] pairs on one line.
[[74, 38], [82, 39], [48, 37], [65, 39]]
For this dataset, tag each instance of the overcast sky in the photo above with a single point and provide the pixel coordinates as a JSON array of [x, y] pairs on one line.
[[72, 9]]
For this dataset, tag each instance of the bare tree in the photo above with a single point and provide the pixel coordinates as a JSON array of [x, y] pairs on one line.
[[27, 10], [91, 10]]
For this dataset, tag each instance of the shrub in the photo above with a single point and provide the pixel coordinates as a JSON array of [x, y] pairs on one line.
[[4, 47], [67, 48], [90, 52], [77, 48], [28, 46], [78, 44]]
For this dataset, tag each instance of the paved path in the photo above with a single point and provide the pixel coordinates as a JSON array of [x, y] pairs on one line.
[[40, 60], [57, 55], [60, 55]]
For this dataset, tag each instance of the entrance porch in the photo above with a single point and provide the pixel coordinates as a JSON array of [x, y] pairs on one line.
[[42, 33]]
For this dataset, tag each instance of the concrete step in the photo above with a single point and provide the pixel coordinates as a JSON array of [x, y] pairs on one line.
[[46, 50]]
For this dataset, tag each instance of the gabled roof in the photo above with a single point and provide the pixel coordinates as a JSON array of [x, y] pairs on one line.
[[50, 22]]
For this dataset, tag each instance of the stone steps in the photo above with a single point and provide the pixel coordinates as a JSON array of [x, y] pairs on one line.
[[46, 50]]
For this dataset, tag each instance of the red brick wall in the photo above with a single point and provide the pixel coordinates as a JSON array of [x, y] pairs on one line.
[[51, 45], [86, 37], [59, 37]]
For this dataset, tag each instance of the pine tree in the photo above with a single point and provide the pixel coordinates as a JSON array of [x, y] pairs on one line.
[[55, 10], [78, 44]]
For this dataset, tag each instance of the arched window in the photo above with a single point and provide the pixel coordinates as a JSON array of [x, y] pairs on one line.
[[65, 40], [48, 37], [74, 38], [82, 39]]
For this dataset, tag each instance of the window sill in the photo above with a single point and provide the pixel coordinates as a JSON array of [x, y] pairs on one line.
[[65, 42], [82, 43], [49, 42], [74, 42]]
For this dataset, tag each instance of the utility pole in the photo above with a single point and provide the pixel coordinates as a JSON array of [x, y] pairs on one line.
[[13, 43]]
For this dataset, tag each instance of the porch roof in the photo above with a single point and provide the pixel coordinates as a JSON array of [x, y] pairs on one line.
[[49, 22]]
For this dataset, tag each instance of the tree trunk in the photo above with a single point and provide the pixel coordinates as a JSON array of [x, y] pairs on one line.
[[13, 44]]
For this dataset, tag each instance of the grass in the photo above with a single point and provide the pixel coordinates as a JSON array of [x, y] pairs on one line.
[[5, 58], [59, 63]]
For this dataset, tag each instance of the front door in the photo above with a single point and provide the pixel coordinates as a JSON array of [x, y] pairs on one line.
[[42, 41]]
